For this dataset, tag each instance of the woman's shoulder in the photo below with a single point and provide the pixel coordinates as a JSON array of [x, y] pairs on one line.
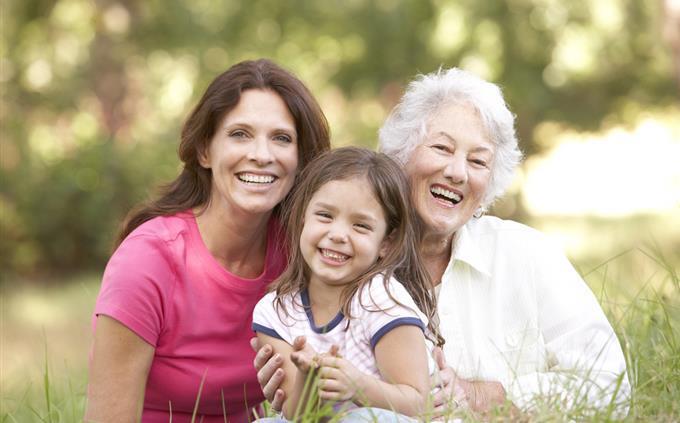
[[165, 228]]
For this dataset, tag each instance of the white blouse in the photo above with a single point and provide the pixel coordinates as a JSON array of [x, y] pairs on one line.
[[514, 310]]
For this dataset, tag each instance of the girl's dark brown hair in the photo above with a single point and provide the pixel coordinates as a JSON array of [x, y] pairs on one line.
[[391, 188], [193, 186]]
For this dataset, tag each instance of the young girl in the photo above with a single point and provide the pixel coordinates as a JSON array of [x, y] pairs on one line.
[[352, 231]]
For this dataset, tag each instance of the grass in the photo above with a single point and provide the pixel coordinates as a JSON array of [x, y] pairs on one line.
[[45, 327]]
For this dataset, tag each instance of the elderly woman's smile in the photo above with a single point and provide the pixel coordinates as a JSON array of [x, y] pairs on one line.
[[451, 169]]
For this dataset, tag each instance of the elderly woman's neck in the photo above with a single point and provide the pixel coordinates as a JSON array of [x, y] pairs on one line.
[[436, 253]]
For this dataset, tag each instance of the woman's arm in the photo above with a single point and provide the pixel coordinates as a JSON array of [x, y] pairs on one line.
[[118, 372], [401, 356], [297, 360]]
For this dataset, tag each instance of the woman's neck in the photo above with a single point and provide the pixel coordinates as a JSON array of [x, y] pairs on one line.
[[436, 253], [238, 243]]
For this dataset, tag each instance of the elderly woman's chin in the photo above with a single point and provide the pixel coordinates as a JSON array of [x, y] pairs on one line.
[[445, 222]]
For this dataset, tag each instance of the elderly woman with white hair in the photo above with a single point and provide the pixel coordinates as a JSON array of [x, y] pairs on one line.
[[520, 324]]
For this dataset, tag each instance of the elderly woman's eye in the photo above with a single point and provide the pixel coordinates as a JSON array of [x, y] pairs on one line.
[[440, 147], [478, 162]]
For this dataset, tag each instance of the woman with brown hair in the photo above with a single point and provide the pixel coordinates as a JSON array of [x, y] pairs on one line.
[[172, 320]]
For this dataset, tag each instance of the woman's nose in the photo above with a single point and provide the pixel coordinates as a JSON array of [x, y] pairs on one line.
[[456, 170], [261, 152]]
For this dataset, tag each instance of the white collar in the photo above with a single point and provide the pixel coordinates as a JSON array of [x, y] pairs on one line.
[[466, 249]]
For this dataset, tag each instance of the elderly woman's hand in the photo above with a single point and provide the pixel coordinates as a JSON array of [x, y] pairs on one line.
[[454, 391]]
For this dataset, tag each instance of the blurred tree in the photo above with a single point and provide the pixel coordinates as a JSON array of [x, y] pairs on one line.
[[94, 91]]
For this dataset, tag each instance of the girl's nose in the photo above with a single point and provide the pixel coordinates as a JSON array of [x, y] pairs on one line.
[[337, 236], [261, 152]]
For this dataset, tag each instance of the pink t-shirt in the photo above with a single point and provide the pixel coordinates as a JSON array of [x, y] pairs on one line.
[[163, 284]]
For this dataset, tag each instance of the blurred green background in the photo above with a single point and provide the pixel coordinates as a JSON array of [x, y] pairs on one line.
[[94, 93]]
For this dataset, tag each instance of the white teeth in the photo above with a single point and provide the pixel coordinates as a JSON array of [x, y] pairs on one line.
[[333, 255], [256, 179], [446, 193]]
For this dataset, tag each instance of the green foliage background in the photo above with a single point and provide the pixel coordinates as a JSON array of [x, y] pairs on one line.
[[94, 91]]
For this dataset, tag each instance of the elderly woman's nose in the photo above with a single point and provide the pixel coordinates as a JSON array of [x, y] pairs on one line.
[[456, 170]]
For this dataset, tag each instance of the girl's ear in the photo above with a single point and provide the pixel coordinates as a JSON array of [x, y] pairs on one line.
[[386, 244]]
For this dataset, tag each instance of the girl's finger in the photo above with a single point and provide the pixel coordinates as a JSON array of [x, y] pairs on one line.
[[329, 396], [330, 385], [329, 361], [329, 372]]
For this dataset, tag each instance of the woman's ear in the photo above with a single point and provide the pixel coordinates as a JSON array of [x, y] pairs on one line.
[[203, 156], [386, 244]]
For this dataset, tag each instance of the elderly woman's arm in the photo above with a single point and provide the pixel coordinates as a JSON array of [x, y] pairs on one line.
[[585, 363]]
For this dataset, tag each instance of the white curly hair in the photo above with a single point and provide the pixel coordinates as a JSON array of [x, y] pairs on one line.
[[406, 126]]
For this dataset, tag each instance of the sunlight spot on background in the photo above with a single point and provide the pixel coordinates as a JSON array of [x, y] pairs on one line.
[[490, 48], [477, 65], [37, 310], [618, 173], [576, 50], [73, 13], [607, 15], [84, 126], [116, 19], [328, 49], [449, 32], [38, 75], [353, 47], [44, 144], [176, 92]]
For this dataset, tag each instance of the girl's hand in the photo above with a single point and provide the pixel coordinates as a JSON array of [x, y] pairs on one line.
[[303, 356], [339, 380]]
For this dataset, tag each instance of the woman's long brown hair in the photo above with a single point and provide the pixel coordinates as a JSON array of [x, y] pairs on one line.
[[402, 260], [193, 186]]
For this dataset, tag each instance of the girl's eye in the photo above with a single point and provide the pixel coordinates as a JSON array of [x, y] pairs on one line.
[[362, 227], [323, 216]]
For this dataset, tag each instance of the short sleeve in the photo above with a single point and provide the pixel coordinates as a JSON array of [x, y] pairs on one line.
[[383, 306], [137, 286], [266, 319]]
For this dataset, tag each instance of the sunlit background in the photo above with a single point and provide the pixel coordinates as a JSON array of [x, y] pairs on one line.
[[94, 93]]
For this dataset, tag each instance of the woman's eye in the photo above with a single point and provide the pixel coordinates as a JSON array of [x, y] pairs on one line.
[[442, 148], [238, 134], [478, 162], [284, 138]]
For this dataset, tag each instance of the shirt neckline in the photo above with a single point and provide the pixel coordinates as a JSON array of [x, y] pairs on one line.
[[219, 272], [304, 296]]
